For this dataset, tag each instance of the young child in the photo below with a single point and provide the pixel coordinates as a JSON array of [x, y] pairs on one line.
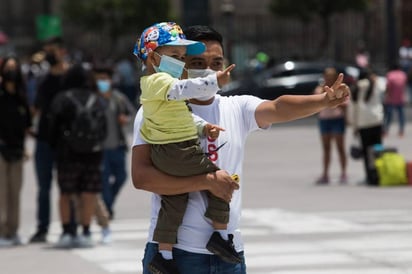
[[173, 134]]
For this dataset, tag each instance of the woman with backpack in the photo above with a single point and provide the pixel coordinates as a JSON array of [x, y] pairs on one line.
[[77, 131]]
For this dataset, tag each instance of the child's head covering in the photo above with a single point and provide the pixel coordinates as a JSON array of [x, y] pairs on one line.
[[162, 34]]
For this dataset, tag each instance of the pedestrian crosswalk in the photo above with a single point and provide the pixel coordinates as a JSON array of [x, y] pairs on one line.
[[286, 242]]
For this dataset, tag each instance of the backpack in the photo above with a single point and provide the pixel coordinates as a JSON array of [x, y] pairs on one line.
[[391, 168], [87, 131]]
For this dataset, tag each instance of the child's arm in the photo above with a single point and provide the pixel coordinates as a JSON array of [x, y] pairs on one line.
[[196, 88], [200, 124], [193, 88], [206, 129]]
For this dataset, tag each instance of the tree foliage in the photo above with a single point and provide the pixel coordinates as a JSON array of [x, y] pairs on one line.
[[122, 15], [307, 10], [116, 17]]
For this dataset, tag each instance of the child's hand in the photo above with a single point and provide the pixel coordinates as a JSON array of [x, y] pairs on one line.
[[223, 77], [212, 131]]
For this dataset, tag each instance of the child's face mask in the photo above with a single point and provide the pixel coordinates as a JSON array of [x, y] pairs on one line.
[[195, 73], [170, 65]]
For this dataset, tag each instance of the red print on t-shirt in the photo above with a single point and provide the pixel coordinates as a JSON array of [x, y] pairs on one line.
[[212, 149]]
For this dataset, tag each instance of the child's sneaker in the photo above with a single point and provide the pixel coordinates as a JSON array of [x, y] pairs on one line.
[[160, 265], [224, 249]]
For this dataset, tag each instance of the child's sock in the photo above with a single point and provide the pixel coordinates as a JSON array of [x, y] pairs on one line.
[[223, 233], [166, 254]]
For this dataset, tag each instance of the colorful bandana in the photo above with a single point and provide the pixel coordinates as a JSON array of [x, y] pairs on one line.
[[165, 33]]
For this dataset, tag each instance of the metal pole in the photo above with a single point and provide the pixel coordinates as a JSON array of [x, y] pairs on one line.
[[46, 7], [392, 43]]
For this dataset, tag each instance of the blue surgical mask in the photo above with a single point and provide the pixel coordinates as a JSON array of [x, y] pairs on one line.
[[103, 85], [195, 73], [170, 65]]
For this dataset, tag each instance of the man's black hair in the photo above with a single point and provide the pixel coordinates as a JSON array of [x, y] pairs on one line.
[[201, 32], [103, 68], [77, 77], [365, 73], [54, 40]]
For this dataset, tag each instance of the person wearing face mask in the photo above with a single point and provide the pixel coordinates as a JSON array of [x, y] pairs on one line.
[[15, 122], [119, 110], [173, 134], [240, 116], [49, 87]]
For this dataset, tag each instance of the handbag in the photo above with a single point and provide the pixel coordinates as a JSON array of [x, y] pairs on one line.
[[356, 149]]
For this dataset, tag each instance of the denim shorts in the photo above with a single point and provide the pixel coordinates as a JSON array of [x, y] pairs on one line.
[[332, 126], [190, 263]]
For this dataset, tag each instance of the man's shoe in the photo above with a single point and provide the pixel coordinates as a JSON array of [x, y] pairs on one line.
[[224, 249], [39, 237], [4, 242], [65, 241], [160, 265], [17, 240], [84, 241]]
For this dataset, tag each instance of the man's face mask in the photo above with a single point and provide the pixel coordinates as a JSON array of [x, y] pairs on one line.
[[103, 85], [51, 59], [195, 73], [170, 65]]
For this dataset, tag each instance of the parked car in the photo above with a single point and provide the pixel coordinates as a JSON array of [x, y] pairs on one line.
[[290, 77]]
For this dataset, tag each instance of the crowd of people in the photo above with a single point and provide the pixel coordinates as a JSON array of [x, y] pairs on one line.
[[77, 117], [195, 209]]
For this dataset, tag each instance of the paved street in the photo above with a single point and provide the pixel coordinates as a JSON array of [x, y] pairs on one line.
[[290, 225]]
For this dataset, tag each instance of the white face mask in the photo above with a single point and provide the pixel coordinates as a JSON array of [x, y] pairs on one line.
[[195, 73]]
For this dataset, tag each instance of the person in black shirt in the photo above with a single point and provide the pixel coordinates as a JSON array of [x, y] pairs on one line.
[[50, 86], [77, 130], [15, 122]]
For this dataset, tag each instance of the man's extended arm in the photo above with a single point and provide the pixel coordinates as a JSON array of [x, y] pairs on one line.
[[292, 107], [145, 176]]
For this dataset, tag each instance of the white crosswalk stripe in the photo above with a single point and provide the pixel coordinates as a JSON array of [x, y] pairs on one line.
[[285, 242]]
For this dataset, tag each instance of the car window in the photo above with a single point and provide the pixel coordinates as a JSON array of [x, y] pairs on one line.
[[299, 71]]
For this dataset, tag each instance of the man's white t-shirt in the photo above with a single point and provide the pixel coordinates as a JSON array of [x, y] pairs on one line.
[[236, 114]]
